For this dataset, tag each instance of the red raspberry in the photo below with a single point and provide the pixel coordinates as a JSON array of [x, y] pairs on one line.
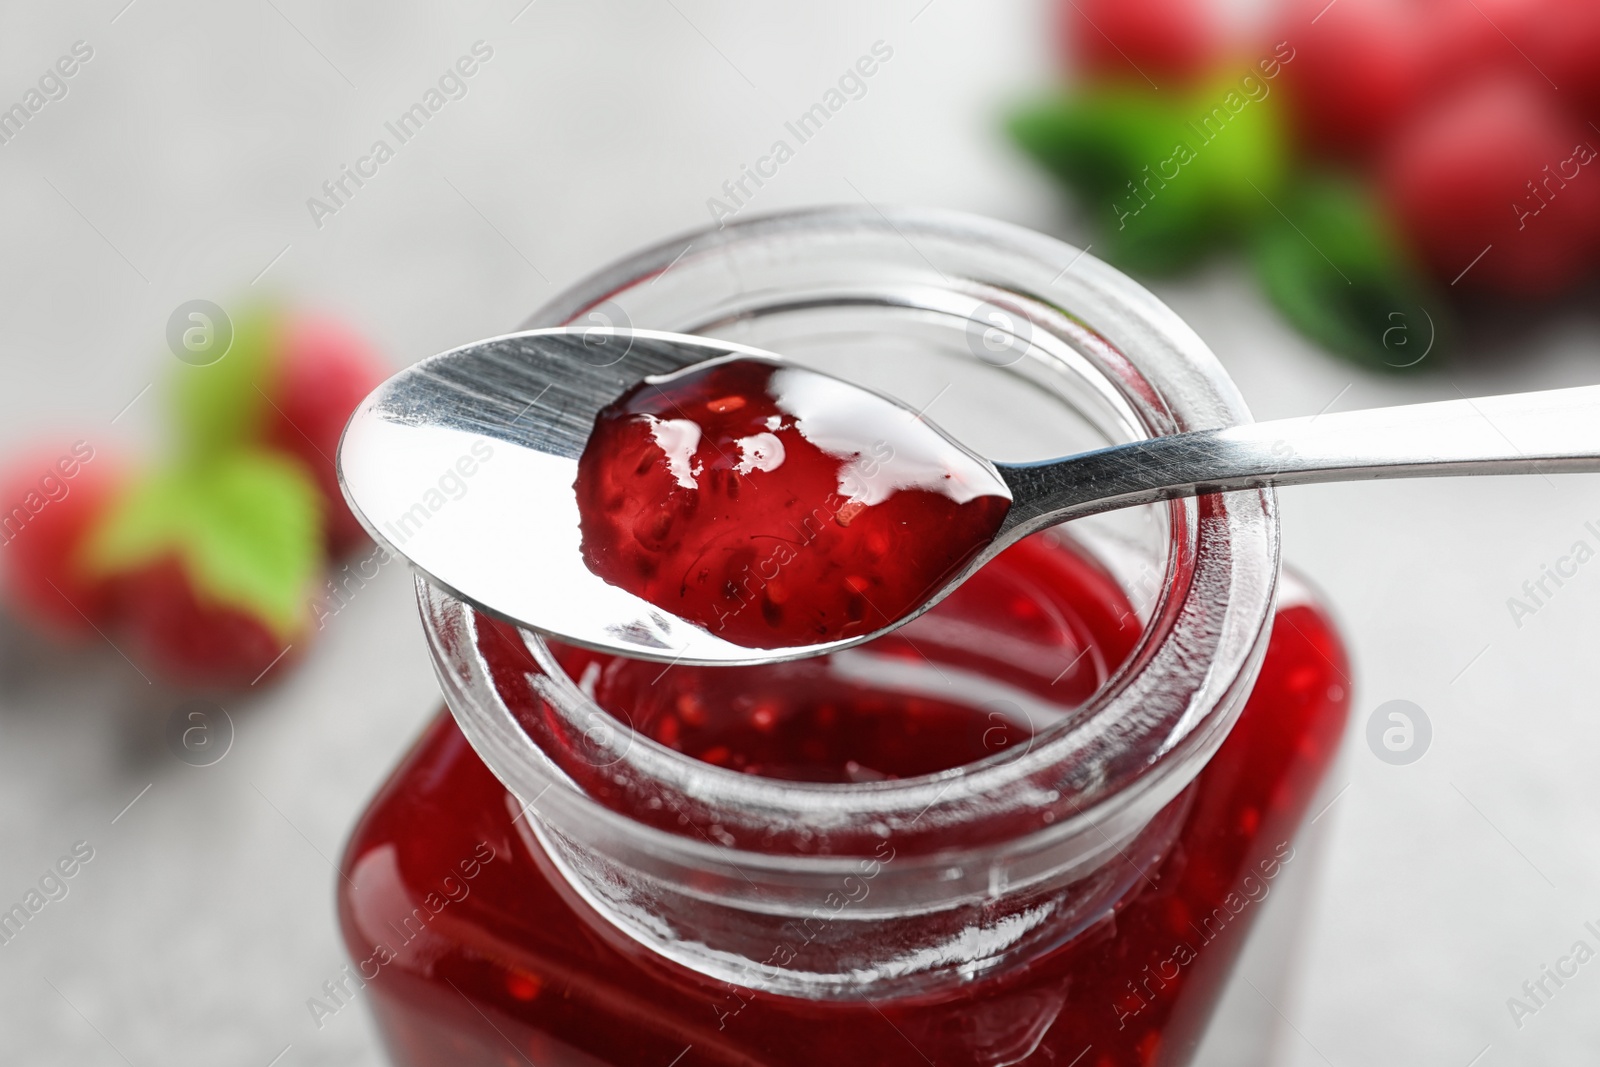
[[1565, 46], [212, 566], [1552, 45], [50, 501], [1358, 72], [1160, 40], [190, 639], [324, 371], [1497, 167], [1470, 40]]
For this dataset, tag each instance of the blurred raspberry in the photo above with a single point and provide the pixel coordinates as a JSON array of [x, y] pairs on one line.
[[1159, 40], [1469, 40], [1551, 44], [324, 370], [191, 639], [1359, 71], [1497, 166], [1564, 45], [212, 566], [51, 501]]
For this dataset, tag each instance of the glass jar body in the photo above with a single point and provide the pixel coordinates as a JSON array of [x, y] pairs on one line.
[[470, 953]]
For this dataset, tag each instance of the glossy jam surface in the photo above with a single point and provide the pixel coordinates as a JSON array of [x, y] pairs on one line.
[[499, 968], [775, 506]]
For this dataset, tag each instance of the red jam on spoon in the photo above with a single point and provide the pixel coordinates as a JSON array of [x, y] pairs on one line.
[[776, 506]]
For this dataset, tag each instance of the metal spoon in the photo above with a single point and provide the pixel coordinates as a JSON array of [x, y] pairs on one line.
[[464, 464]]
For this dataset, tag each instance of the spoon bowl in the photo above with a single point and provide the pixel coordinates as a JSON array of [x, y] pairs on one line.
[[465, 464]]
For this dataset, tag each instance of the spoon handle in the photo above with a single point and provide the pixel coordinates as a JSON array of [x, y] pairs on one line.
[[1520, 433]]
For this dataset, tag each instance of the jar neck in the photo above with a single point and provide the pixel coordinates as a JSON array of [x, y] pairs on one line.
[[892, 888], [886, 908]]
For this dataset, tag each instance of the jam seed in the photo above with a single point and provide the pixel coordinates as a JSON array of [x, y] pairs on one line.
[[667, 732], [691, 710], [723, 405], [848, 513], [522, 985], [764, 718]]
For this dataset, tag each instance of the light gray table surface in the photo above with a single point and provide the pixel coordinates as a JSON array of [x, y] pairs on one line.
[[179, 165]]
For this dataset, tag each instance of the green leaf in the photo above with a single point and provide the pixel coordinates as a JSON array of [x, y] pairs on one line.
[[1095, 141], [1165, 176], [1333, 266], [222, 405], [1111, 147], [1240, 145], [246, 528]]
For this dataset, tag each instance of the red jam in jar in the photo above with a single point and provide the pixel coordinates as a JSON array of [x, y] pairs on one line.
[[777, 506], [470, 952]]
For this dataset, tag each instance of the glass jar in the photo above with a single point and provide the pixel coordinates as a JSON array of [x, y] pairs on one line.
[[552, 876]]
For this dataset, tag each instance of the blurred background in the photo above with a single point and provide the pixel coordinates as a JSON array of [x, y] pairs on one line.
[[1384, 203]]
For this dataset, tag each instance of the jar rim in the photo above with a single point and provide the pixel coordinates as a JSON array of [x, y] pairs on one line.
[[1142, 738]]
